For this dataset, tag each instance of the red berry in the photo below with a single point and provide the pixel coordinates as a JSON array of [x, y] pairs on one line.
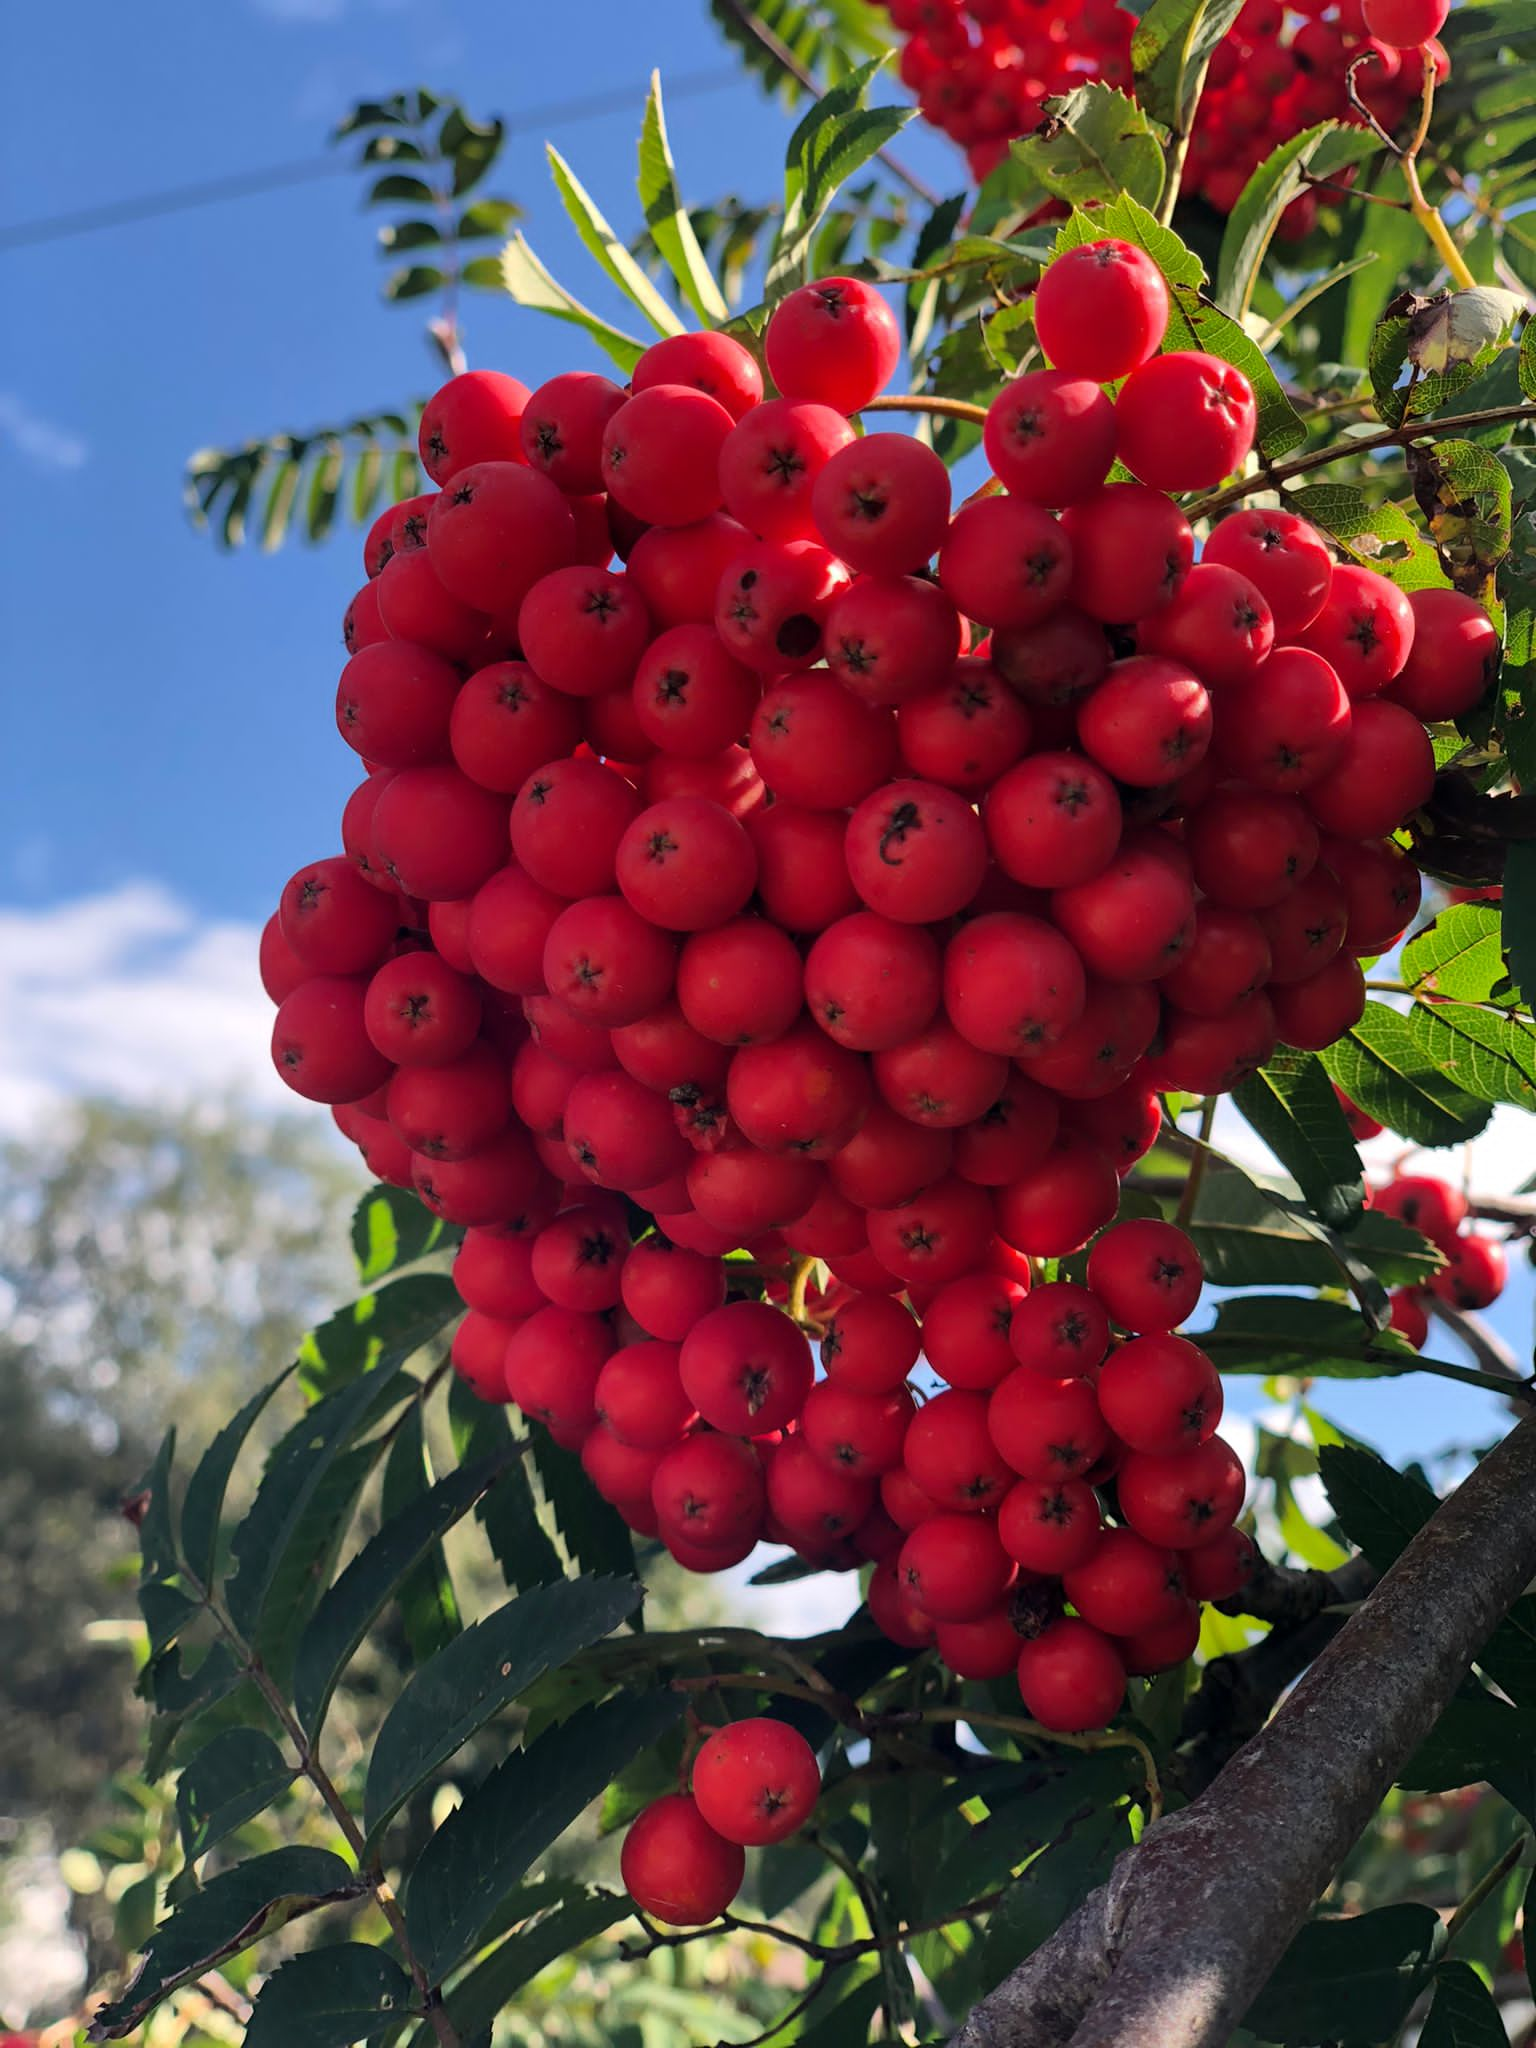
[[1219, 623], [1364, 630], [756, 1781], [741, 983], [1046, 1429], [1050, 1525], [475, 417], [1283, 556], [1060, 1331], [419, 1012], [1185, 1500], [495, 532], [1011, 984], [882, 503], [561, 432], [817, 745], [1147, 723], [1050, 437], [1131, 550], [772, 602], [1101, 310], [871, 983], [1474, 1275], [954, 1568], [668, 1289], [320, 1045], [870, 1344], [1147, 1273], [661, 454], [394, 702], [709, 1491], [437, 834], [950, 1454], [1160, 1393], [1453, 658], [1184, 421], [676, 1868], [916, 852], [966, 1329], [686, 864], [713, 363], [770, 461], [1071, 1677], [834, 342], [1006, 562], [1385, 772], [746, 1368], [1058, 1207]]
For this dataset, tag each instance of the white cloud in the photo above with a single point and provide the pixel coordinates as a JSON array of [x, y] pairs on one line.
[[39, 441], [130, 994]]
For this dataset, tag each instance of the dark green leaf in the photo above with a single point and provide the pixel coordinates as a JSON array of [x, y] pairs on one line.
[[1292, 1106], [309, 1561], [1252, 221], [411, 1310], [1301, 1338], [1051, 1887], [1097, 144], [480, 1995], [667, 219], [505, 1823], [444, 1702], [396, 238], [1474, 1740], [227, 1783], [360, 1594], [1527, 360], [429, 1610], [203, 1509], [595, 1534], [397, 186], [156, 1517], [1043, 1806], [231, 1911], [329, 1998], [296, 1471], [1488, 1055], [1170, 49], [392, 1228], [1458, 953], [1351, 1981], [845, 2024], [1248, 1237], [1380, 1067], [414, 282], [836, 137], [1379, 1509], [508, 1513], [1464, 2014]]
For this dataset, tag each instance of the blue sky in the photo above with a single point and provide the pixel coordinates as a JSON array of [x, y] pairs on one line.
[[169, 755]]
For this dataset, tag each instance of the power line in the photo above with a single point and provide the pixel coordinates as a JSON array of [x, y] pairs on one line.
[[304, 170]]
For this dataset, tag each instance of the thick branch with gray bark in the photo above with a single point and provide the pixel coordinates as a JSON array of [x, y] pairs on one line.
[[1183, 1936]]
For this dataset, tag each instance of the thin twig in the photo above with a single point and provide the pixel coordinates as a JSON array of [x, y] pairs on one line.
[[747, 18], [1032, 1731], [1196, 1175], [1490, 1880], [1363, 444]]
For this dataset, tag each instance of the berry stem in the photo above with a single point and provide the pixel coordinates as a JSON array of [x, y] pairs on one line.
[[924, 401]]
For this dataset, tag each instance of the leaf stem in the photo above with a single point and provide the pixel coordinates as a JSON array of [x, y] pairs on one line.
[[1278, 473]]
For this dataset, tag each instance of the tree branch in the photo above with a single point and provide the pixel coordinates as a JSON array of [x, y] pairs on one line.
[[1178, 1942]]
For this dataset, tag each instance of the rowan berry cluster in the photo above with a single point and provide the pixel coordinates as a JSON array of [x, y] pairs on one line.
[[841, 879], [1474, 1273], [983, 70]]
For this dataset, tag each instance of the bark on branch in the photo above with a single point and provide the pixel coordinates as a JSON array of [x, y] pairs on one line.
[[1191, 1922]]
